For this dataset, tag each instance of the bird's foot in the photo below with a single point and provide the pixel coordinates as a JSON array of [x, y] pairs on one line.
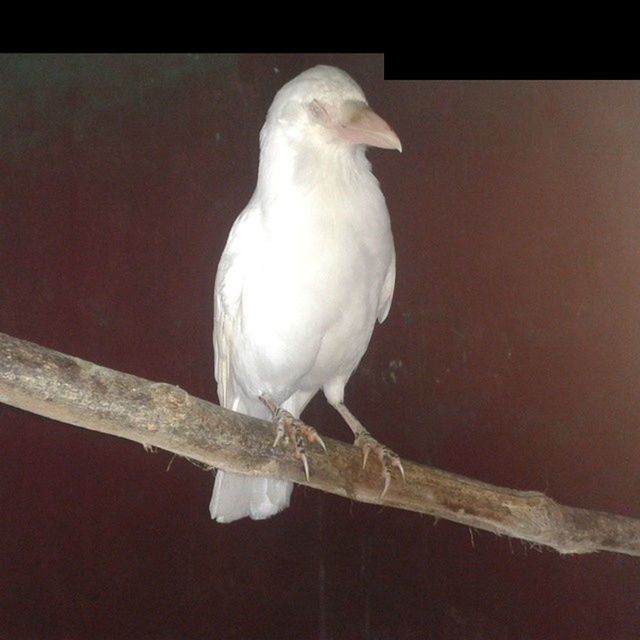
[[387, 458], [290, 429]]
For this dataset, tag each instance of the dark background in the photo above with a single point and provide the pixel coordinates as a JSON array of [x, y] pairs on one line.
[[511, 353]]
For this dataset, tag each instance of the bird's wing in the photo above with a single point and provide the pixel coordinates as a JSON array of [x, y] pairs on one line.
[[237, 496], [386, 293], [222, 332], [228, 304]]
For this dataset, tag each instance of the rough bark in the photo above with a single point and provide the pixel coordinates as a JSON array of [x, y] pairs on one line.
[[84, 394]]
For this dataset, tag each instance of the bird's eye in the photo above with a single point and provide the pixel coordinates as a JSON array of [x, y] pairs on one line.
[[317, 111]]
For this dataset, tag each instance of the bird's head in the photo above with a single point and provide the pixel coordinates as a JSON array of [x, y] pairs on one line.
[[324, 106]]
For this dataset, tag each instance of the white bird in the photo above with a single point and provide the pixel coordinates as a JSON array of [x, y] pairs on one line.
[[308, 267]]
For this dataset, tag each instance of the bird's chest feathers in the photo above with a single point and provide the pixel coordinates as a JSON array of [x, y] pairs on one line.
[[328, 220], [328, 237]]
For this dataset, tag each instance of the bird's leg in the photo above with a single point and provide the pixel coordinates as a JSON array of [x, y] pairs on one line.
[[368, 443], [293, 430]]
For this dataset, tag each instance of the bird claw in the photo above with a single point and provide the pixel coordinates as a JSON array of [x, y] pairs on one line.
[[280, 433], [291, 429], [387, 458]]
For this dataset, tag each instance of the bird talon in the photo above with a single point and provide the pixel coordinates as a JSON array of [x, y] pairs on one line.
[[319, 440], [396, 463], [365, 454], [279, 436], [306, 465], [290, 429], [387, 483], [311, 435], [388, 458]]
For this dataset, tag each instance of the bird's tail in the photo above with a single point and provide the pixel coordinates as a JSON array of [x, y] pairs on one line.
[[238, 496]]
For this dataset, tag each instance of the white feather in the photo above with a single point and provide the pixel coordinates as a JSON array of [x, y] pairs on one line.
[[308, 267]]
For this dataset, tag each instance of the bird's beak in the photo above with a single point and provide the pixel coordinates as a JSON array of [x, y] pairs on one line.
[[359, 124]]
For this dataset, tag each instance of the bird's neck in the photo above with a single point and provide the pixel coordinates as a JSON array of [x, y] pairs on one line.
[[287, 166]]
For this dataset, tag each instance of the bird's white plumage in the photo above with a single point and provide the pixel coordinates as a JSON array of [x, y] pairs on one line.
[[308, 267]]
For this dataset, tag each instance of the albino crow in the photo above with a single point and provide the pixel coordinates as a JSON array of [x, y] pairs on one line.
[[308, 268]]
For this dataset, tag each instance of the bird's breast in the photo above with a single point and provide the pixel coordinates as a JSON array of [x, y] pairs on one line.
[[312, 287], [331, 243]]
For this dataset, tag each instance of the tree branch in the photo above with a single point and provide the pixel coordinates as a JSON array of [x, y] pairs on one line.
[[84, 394]]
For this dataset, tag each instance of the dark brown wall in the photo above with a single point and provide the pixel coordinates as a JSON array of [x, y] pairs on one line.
[[511, 353]]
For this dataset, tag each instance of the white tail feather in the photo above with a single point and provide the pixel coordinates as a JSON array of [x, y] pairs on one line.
[[237, 496]]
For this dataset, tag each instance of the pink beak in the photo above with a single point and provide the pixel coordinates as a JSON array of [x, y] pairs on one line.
[[359, 124]]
